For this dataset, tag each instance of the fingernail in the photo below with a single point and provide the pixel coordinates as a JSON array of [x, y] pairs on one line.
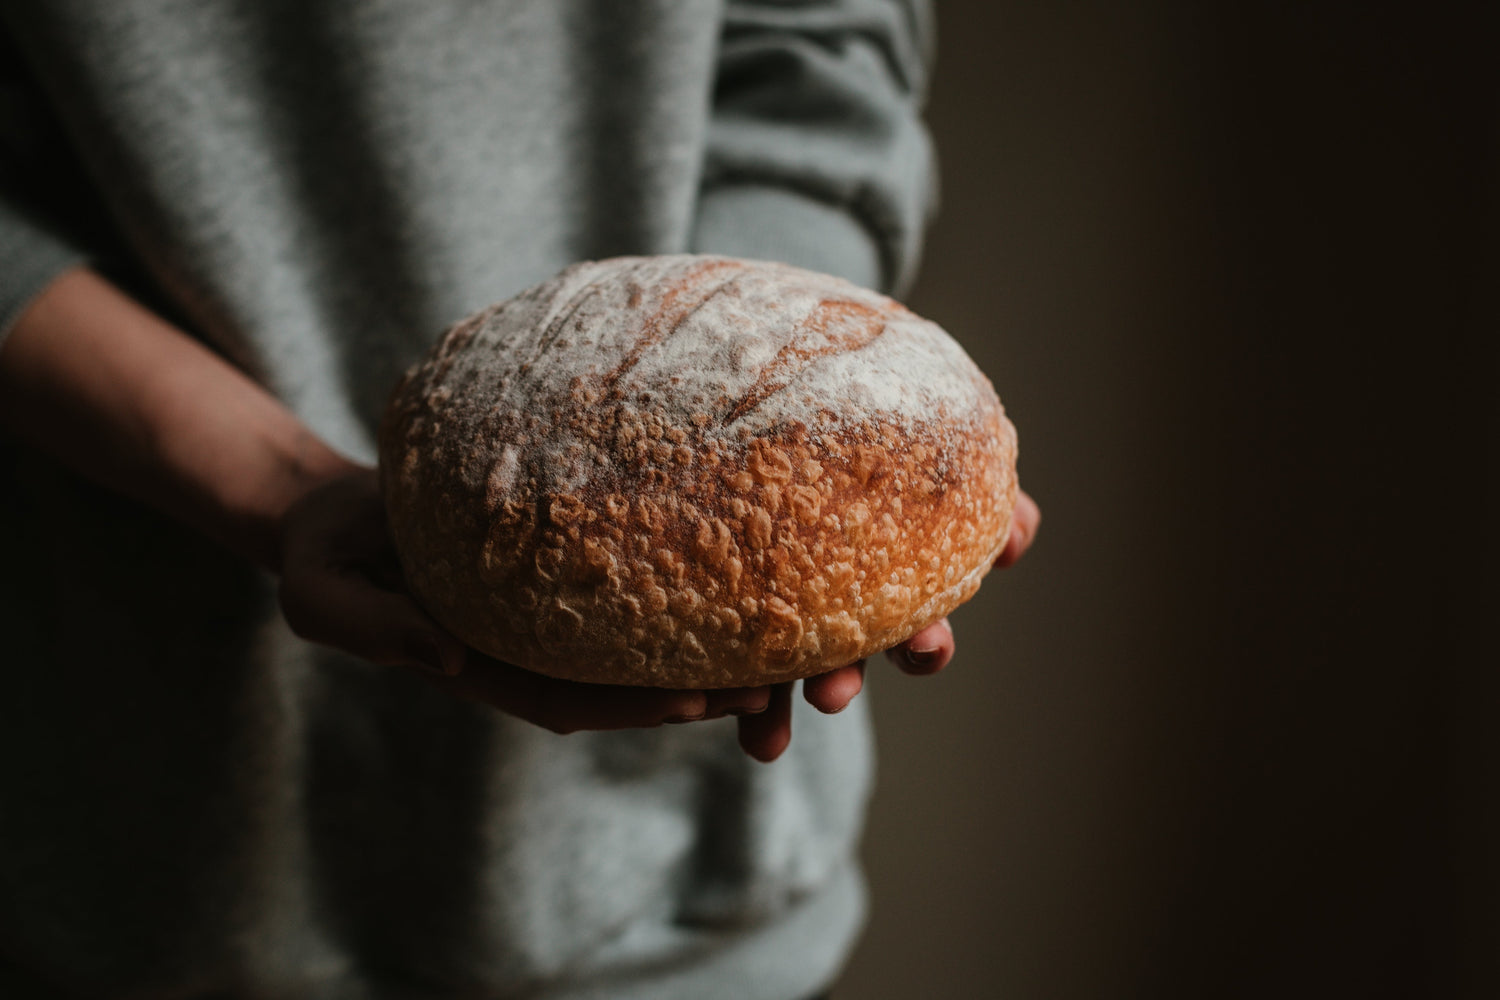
[[746, 710], [677, 720], [924, 658]]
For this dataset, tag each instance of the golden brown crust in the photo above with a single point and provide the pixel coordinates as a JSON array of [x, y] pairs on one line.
[[584, 502]]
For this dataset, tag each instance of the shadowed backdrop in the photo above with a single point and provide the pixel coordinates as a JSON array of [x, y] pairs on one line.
[[1224, 732]]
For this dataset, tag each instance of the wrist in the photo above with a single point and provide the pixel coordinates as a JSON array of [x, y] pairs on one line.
[[101, 384]]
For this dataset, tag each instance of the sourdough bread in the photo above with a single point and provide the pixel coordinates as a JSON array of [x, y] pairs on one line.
[[695, 472]]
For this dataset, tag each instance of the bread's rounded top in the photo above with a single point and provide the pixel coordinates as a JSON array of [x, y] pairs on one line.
[[693, 471]]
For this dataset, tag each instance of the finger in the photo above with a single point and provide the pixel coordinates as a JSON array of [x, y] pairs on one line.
[[833, 691], [342, 609], [765, 736], [1023, 528], [569, 706], [738, 701], [928, 651]]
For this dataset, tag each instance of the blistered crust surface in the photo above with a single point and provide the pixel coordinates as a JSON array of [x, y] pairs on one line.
[[695, 472]]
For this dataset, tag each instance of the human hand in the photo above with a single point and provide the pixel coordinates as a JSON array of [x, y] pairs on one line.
[[341, 586], [765, 735]]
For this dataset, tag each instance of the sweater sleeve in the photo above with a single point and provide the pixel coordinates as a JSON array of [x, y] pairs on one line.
[[32, 253], [36, 240], [817, 154]]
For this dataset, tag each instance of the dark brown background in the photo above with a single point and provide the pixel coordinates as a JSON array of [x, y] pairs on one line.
[[1226, 732]]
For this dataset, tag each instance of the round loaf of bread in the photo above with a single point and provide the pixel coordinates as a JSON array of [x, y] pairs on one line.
[[695, 472]]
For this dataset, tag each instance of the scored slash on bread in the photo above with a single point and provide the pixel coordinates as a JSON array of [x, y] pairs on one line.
[[695, 472]]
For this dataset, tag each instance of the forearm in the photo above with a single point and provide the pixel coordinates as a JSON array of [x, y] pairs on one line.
[[93, 379]]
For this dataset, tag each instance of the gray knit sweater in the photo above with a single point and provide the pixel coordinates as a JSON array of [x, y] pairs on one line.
[[193, 802]]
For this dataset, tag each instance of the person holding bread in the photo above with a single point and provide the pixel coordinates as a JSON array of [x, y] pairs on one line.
[[238, 757]]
